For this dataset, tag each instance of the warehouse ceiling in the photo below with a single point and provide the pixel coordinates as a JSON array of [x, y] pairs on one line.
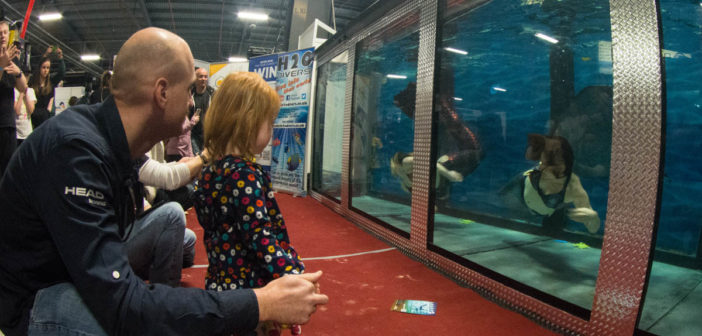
[[212, 28]]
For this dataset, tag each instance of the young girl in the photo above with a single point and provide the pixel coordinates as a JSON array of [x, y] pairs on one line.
[[245, 235], [24, 107]]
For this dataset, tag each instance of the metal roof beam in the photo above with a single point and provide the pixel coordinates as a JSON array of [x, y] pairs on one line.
[[145, 11]]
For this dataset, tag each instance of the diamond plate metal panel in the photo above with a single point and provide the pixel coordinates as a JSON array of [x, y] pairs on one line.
[[634, 177], [346, 141], [422, 185]]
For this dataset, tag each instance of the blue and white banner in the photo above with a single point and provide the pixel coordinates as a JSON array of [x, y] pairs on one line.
[[291, 75], [294, 77], [266, 66]]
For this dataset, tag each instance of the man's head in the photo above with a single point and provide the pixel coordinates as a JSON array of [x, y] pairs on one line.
[[153, 74], [201, 77], [4, 32]]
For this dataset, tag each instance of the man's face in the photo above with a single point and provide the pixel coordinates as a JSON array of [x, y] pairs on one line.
[[179, 103], [201, 80], [4, 33]]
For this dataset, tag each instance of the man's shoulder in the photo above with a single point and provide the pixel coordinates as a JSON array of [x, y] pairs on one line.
[[76, 123]]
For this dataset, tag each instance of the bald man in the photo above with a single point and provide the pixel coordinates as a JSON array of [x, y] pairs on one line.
[[202, 95], [67, 203]]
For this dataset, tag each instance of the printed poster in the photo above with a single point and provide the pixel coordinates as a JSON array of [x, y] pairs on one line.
[[218, 71], [288, 157], [290, 74], [293, 84], [294, 77], [62, 95]]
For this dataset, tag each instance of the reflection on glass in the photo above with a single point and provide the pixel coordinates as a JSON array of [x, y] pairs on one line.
[[385, 79], [674, 293], [329, 126], [522, 116]]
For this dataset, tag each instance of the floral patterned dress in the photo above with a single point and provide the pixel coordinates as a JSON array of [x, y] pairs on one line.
[[245, 235]]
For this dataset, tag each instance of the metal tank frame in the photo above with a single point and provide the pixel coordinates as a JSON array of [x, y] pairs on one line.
[[635, 175]]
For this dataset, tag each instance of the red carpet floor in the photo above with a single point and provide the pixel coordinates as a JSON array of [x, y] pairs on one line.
[[362, 288]]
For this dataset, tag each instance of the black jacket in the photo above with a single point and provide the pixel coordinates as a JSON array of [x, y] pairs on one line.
[[64, 201]]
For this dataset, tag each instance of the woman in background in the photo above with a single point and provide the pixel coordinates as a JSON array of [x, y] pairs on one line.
[[43, 83], [103, 92]]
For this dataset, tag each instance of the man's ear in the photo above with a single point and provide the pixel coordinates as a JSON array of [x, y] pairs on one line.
[[161, 92], [536, 145]]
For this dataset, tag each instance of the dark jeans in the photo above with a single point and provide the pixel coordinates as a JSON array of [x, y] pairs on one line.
[[155, 245], [39, 116], [59, 310], [157, 248], [197, 145], [173, 157], [182, 195], [8, 144]]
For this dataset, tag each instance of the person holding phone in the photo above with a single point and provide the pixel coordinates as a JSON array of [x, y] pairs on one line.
[[11, 78], [43, 82]]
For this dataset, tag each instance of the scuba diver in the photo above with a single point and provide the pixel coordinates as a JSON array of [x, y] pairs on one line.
[[452, 165], [549, 188]]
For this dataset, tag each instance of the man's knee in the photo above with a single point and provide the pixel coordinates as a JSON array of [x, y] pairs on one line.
[[60, 309], [174, 212]]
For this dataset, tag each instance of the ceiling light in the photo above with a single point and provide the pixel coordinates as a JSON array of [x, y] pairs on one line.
[[89, 57], [546, 38], [457, 51], [396, 76], [252, 16], [50, 17], [237, 59], [457, 98]]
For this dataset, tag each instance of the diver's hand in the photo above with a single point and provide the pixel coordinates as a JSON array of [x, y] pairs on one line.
[[291, 299], [586, 216]]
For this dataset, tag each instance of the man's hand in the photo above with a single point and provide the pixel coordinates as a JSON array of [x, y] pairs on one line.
[[291, 299], [7, 55]]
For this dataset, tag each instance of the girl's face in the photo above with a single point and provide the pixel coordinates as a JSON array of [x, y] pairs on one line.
[[264, 136], [44, 70]]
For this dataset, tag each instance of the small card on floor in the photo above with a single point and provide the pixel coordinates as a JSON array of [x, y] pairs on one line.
[[415, 307]]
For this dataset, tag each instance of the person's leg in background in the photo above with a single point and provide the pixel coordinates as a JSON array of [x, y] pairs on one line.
[[155, 246], [189, 248], [182, 195], [59, 310], [197, 145], [8, 143], [173, 157]]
